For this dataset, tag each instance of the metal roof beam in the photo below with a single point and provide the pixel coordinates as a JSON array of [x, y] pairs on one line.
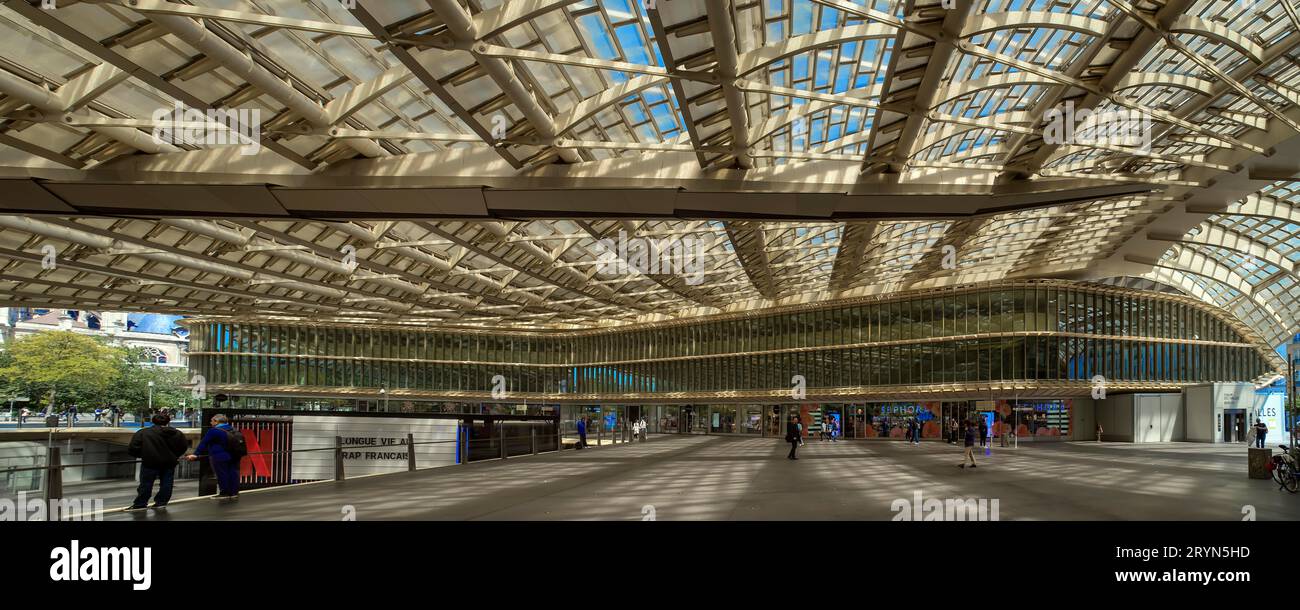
[[723, 31], [461, 27]]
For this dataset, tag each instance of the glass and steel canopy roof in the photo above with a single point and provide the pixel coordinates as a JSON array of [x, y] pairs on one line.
[[887, 96]]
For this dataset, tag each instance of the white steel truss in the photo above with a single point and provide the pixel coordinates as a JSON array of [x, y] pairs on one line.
[[468, 160]]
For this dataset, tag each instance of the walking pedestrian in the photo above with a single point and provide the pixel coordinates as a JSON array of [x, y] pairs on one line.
[[582, 433], [984, 433], [969, 434], [793, 434], [1098, 432]]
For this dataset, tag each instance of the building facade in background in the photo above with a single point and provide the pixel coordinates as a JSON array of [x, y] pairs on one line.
[[163, 341], [1019, 355]]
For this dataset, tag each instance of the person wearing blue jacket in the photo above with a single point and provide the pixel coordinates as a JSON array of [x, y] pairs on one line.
[[224, 466], [582, 433]]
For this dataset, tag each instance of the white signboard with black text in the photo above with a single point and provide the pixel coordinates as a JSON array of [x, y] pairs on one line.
[[373, 445]]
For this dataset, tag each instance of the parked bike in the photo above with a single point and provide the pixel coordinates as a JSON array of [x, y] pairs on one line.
[[1284, 470]]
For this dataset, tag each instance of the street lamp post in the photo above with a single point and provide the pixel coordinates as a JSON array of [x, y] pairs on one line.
[[383, 392], [151, 397]]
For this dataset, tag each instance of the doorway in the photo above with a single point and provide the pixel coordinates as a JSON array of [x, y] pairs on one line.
[[695, 419], [775, 423], [1234, 425], [854, 421]]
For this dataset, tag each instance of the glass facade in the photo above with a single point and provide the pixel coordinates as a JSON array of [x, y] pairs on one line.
[[1026, 331]]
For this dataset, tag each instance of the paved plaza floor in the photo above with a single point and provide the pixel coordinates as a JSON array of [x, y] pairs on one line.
[[721, 478]]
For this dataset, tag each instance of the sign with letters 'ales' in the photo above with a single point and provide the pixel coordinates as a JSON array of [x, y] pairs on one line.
[[372, 445]]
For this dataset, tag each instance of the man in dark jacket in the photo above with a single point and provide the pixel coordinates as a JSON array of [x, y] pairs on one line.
[[969, 438], [1261, 432], [215, 444], [158, 447]]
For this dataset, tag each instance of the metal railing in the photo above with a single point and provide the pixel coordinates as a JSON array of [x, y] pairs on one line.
[[600, 436], [84, 420], [467, 450]]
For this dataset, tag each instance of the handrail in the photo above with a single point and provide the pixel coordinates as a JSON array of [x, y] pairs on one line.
[[276, 452], [53, 484]]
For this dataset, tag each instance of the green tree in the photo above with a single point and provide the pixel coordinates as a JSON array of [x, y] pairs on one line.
[[131, 390], [62, 367]]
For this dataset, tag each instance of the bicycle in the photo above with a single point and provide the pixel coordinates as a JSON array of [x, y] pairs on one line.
[[1284, 470]]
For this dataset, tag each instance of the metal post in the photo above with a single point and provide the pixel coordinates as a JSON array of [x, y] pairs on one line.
[[1290, 410], [600, 432], [464, 443], [532, 432], [338, 458], [53, 474], [501, 438], [410, 452]]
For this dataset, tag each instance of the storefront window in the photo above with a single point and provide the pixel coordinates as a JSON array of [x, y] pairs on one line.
[[722, 419], [1040, 419], [751, 419], [891, 419]]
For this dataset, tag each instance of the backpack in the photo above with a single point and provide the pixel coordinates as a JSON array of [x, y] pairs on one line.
[[236, 444]]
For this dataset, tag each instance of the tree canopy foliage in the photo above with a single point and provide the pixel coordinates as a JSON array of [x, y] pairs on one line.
[[63, 368]]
